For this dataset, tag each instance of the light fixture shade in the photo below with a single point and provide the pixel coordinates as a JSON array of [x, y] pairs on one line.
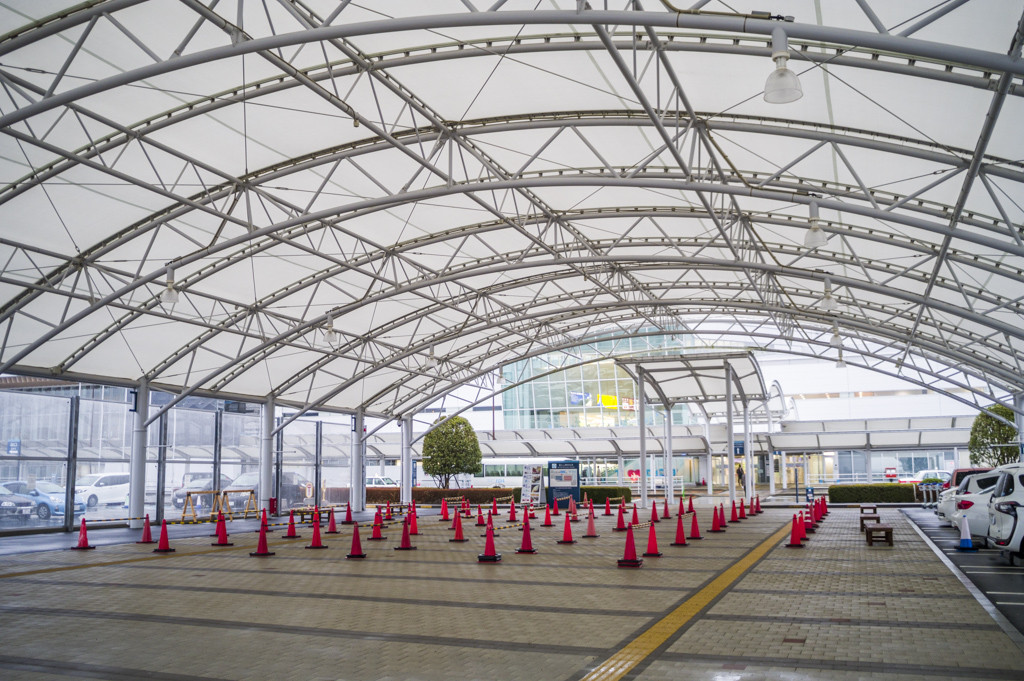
[[431, 362], [782, 86], [331, 336], [836, 341], [841, 364], [828, 303], [815, 237], [169, 296]]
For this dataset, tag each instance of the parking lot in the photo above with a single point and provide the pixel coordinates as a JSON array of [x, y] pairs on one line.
[[1001, 582]]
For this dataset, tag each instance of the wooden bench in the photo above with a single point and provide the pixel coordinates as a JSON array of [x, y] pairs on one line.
[[868, 508], [865, 517], [884, 532]]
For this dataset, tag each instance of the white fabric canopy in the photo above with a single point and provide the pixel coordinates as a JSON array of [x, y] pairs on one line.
[[447, 190]]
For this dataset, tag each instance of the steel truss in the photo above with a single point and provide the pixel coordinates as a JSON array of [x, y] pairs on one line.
[[960, 334]]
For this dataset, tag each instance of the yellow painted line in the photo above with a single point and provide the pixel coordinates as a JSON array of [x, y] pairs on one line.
[[619, 664]]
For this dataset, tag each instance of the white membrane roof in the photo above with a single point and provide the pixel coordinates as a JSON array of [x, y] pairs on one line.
[[454, 185]]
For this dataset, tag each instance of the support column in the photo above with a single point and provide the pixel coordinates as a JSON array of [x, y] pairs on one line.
[[710, 463], [642, 421], [729, 456], [218, 447], [748, 455], [784, 468], [137, 467], [161, 466], [669, 484], [406, 486], [69, 489], [771, 454], [1018, 403], [267, 454], [357, 477], [622, 475], [318, 467], [867, 465]]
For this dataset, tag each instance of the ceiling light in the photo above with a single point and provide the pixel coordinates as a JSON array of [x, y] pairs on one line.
[[828, 303], [330, 336], [782, 85], [814, 236], [836, 341], [431, 360], [169, 296], [840, 363]]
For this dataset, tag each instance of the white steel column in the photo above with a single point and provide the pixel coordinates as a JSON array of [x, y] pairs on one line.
[[669, 483], [140, 439], [748, 455], [357, 477], [622, 475], [710, 465], [784, 469], [1018, 403], [267, 455], [868, 469], [729, 457], [406, 424], [771, 454], [642, 421]]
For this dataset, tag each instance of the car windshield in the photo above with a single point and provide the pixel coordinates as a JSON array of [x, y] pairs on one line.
[[388, 481], [87, 481], [4, 490], [246, 481], [49, 488]]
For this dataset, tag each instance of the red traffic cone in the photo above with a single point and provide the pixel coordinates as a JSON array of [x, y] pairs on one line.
[[652, 545], [489, 555], [264, 525], [734, 518], [348, 515], [332, 527], [654, 513], [567, 533], [406, 545], [83, 539], [620, 525], [315, 543], [444, 511], [164, 546], [629, 558], [591, 530], [291, 527], [357, 546], [547, 516], [808, 524], [682, 508], [803, 526], [695, 529], [572, 510], [147, 534], [555, 511], [757, 504], [721, 517], [743, 512], [480, 522], [261, 546], [494, 505], [530, 508], [607, 506], [794, 535], [680, 532], [222, 532], [715, 525], [824, 505], [490, 525], [690, 510], [527, 545], [665, 513], [512, 512], [458, 530], [591, 506], [378, 522], [388, 515], [413, 527], [636, 518]]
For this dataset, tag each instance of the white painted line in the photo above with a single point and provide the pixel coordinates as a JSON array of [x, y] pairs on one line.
[[1006, 593], [1007, 603]]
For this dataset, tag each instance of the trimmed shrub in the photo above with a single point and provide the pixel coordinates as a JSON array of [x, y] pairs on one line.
[[882, 493], [480, 495], [599, 494]]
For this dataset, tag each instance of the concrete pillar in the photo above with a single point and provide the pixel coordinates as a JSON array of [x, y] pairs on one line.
[[622, 474], [730, 458], [357, 476], [669, 491], [267, 454], [771, 454], [867, 466], [709, 464], [137, 467], [406, 486], [784, 468], [748, 455], [642, 420], [1018, 403]]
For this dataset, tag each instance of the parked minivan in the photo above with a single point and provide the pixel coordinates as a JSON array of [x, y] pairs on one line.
[[1005, 531], [102, 488]]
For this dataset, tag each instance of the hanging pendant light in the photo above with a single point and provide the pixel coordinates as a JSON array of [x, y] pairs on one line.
[[330, 335], [828, 303], [431, 362], [836, 341], [840, 363], [782, 85], [169, 296], [814, 237]]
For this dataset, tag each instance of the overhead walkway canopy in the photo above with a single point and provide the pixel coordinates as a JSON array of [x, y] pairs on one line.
[[876, 434]]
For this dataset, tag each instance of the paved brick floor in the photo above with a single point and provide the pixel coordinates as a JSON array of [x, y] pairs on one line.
[[834, 610]]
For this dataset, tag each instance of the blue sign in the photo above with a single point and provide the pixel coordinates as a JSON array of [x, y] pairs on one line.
[[809, 491], [14, 448], [578, 398], [737, 448]]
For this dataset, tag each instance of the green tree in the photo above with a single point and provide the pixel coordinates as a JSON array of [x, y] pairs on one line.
[[449, 449], [992, 441]]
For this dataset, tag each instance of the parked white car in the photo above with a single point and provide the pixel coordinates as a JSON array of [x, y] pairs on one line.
[[971, 484], [381, 482], [102, 488], [974, 507], [1005, 531]]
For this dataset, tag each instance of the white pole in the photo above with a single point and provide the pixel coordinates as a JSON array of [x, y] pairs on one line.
[[669, 482], [729, 457], [710, 466], [140, 437], [406, 424], [771, 454], [357, 477], [748, 455], [642, 420], [267, 454]]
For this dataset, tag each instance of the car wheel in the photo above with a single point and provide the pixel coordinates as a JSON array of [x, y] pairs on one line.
[[93, 500], [43, 512]]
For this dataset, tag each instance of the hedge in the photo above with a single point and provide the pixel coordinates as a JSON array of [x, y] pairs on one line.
[[480, 495], [883, 493]]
